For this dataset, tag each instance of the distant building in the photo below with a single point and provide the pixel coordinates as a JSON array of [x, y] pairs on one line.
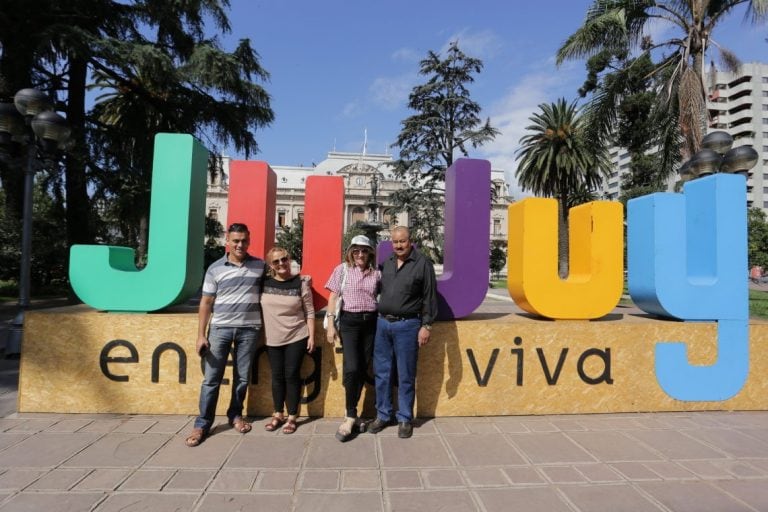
[[358, 171], [737, 103]]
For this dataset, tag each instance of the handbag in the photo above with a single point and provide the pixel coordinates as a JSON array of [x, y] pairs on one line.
[[339, 302]]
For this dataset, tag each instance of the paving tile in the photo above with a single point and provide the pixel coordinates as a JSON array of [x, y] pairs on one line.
[[328, 452], [17, 479], [221, 502], [692, 496], [670, 470], [402, 479], [9, 423], [190, 480], [7, 440], [69, 425], [739, 469], [46, 450], [481, 427], [674, 445], [451, 425], [102, 426], [608, 498], [33, 426], [483, 450], [530, 499], [613, 446], [117, 450], [732, 442], [238, 480], [539, 426], [751, 492], [567, 425], [147, 480], [134, 426], [60, 502], [273, 452], [598, 473], [524, 475], [421, 501], [486, 477], [416, 452], [601, 422], [423, 426], [326, 480], [761, 464], [154, 502], [361, 479], [635, 471], [59, 480], [562, 474], [706, 469], [437, 478], [103, 480], [175, 426], [510, 424], [550, 448], [270, 480], [338, 502], [211, 454]]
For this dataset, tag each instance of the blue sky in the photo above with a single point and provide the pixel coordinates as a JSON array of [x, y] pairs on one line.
[[341, 67]]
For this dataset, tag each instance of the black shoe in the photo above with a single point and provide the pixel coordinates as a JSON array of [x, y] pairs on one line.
[[378, 425], [404, 430]]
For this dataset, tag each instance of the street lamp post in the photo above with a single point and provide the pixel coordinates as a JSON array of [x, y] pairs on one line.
[[29, 121]]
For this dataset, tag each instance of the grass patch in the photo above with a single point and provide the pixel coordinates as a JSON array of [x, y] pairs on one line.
[[499, 283], [758, 304]]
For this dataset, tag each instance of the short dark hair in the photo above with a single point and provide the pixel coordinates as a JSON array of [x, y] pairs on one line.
[[237, 227]]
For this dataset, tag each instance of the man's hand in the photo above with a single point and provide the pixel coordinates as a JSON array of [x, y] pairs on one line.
[[202, 346], [330, 333], [424, 334]]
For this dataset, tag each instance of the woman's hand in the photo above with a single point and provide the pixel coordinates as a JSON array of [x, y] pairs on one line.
[[310, 344], [330, 333]]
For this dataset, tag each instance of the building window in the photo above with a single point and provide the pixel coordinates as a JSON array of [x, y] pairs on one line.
[[301, 216], [765, 120], [284, 179], [213, 214], [765, 79], [765, 94], [496, 226], [765, 108], [359, 181], [281, 219]]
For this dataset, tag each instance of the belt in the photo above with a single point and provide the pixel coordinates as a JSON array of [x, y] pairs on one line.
[[399, 318], [358, 313]]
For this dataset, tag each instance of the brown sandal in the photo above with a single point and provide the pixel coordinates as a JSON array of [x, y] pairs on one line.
[[239, 424], [290, 427], [274, 424], [195, 437]]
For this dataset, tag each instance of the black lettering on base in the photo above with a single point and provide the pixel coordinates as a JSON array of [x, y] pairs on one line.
[[482, 381], [156, 361], [104, 358], [552, 379], [605, 355], [519, 353], [314, 377]]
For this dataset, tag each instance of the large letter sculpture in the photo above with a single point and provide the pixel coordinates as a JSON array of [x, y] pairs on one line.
[[106, 277], [595, 278], [323, 226], [687, 258], [252, 196]]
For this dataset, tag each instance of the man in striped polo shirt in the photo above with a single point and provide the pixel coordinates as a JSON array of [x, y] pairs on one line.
[[230, 304]]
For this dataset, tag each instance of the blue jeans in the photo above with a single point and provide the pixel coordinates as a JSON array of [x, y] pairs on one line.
[[222, 339], [396, 342]]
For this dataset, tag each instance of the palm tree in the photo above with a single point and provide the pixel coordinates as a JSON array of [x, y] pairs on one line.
[[614, 29], [557, 160]]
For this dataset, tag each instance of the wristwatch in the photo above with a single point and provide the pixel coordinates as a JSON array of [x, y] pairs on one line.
[[427, 326]]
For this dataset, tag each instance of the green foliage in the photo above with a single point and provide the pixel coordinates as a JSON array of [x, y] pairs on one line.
[[556, 159], [757, 235], [446, 125], [291, 238], [498, 256]]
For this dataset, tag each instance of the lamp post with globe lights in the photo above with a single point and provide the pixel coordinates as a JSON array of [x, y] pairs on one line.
[[30, 122]]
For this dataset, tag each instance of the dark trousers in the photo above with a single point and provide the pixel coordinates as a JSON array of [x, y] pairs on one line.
[[357, 332], [285, 362]]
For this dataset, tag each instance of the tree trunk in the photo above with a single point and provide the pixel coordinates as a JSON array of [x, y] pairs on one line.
[[78, 203], [562, 236], [141, 250]]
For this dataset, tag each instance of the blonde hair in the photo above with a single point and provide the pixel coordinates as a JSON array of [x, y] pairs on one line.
[[270, 256], [350, 260]]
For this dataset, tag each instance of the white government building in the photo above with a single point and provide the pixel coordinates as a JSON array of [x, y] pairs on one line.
[[357, 169]]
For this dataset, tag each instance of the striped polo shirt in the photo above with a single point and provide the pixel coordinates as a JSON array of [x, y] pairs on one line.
[[237, 292]]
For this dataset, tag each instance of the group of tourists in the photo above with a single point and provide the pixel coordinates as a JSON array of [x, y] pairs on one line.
[[385, 314]]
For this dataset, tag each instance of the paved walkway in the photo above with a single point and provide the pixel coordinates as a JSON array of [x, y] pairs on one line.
[[705, 461]]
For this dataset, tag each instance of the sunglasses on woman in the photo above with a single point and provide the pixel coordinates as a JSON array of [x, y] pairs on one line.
[[363, 250], [284, 259]]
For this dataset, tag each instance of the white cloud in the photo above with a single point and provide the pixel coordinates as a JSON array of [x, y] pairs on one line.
[[510, 115], [391, 93], [351, 110], [406, 55], [484, 44]]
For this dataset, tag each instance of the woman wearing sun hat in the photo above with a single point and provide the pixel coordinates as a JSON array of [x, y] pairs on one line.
[[355, 281]]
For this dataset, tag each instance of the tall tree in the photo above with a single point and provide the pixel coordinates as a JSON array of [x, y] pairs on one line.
[[446, 125], [557, 160], [619, 27]]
